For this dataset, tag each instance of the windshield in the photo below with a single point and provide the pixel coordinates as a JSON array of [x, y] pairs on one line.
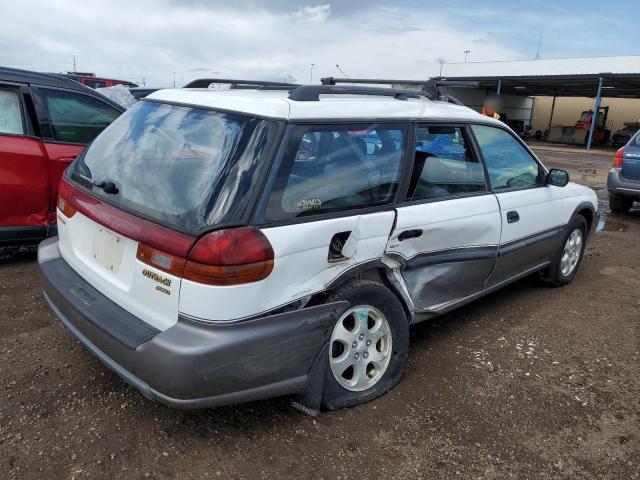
[[186, 168]]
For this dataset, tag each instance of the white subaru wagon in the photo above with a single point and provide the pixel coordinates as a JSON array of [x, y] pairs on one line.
[[223, 246]]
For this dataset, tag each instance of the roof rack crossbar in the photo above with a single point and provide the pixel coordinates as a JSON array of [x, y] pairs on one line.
[[430, 87], [205, 82], [311, 93]]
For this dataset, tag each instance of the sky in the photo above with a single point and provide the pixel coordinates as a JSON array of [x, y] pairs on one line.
[[146, 41]]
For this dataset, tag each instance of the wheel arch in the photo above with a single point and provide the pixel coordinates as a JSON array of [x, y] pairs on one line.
[[374, 270], [587, 210]]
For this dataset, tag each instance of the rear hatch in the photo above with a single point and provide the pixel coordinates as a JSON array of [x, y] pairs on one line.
[[631, 159], [158, 178]]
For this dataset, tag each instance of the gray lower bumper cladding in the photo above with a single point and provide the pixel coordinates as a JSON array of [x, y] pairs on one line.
[[192, 364], [616, 183]]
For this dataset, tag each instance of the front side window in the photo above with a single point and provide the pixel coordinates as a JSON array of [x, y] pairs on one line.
[[76, 118], [337, 168], [444, 165], [509, 164], [10, 114]]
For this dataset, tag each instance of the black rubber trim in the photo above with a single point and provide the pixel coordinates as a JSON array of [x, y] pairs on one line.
[[454, 255], [62, 285], [530, 240], [594, 214]]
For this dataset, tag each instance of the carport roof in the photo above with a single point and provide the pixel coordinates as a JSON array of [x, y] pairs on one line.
[[615, 85]]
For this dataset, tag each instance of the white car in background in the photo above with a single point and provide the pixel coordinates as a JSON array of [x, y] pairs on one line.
[[224, 246]]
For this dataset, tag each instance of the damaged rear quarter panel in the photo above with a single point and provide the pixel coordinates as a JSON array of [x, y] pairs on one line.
[[301, 266]]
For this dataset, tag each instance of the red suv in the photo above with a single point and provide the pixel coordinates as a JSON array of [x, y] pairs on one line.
[[45, 122]]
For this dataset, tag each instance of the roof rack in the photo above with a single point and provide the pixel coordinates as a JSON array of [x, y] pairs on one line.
[[311, 93], [429, 88], [205, 82]]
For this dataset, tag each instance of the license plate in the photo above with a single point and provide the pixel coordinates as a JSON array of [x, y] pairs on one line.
[[107, 249]]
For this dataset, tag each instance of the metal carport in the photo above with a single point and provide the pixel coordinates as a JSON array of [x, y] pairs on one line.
[[611, 85]]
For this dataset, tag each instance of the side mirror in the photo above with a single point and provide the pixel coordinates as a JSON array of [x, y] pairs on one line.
[[557, 178]]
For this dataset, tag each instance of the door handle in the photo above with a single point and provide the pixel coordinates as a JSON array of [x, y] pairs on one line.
[[407, 234], [512, 216]]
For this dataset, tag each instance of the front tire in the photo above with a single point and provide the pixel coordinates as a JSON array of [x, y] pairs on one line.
[[620, 204], [567, 261], [369, 345]]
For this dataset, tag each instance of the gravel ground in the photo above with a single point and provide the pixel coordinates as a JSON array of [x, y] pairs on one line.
[[529, 382]]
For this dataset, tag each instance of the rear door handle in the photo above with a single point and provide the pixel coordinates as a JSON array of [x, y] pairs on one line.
[[409, 234], [512, 216]]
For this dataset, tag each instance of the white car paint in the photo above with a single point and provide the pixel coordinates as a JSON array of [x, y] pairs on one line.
[[275, 104], [447, 224], [300, 267], [82, 244]]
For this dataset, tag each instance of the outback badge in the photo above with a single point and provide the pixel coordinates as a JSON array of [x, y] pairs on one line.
[[157, 278]]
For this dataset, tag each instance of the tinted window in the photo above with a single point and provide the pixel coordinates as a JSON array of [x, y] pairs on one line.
[[10, 115], [95, 83], [76, 118], [337, 168], [186, 168], [444, 165], [509, 164]]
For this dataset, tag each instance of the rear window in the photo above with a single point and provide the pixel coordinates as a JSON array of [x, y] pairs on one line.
[[187, 168]]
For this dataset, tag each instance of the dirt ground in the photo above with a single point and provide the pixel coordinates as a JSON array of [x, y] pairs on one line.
[[530, 382]]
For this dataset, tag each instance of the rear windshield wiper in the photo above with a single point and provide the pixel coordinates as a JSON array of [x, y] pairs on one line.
[[106, 185]]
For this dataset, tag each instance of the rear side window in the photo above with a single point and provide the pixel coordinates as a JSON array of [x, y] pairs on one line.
[[10, 113], [444, 165], [337, 168], [509, 164], [76, 118]]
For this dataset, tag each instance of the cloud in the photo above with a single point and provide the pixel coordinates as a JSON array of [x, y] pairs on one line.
[[316, 13], [276, 40]]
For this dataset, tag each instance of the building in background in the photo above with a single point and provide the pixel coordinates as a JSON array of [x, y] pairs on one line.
[[556, 96]]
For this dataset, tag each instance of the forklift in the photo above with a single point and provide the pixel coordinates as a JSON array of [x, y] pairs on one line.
[[601, 134], [578, 134]]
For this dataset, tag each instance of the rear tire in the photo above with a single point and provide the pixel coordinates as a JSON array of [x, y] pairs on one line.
[[369, 345], [620, 204], [565, 264]]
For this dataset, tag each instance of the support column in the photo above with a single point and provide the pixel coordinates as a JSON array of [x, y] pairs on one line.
[[553, 107], [594, 115], [499, 89]]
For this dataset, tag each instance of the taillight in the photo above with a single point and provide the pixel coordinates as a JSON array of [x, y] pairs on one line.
[[225, 257], [230, 257], [617, 161]]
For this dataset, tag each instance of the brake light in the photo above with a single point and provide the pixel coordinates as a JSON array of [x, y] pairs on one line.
[[617, 161], [230, 257]]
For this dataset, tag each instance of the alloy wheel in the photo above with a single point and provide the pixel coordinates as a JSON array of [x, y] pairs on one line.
[[571, 252], [360, 348]]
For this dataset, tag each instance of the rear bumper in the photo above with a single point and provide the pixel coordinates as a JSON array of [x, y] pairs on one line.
[[190, 365], [618, 185]]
